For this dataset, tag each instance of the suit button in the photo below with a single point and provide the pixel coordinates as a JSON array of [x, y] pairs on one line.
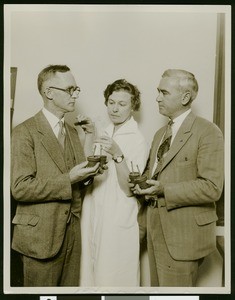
[[66, 212]]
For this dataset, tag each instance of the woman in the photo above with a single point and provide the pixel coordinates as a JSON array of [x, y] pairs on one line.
[[110, 239]]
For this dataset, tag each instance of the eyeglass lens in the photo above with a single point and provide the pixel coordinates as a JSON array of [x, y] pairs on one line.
[[74, 91]]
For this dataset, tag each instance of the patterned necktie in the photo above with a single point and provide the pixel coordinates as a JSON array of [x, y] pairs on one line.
[[164, 147], [61, 134]]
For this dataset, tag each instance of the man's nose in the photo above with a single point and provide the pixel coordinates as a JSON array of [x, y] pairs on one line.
[[159, 99], [74, 96]]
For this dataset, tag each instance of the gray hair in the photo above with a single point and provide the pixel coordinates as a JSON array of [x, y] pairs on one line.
[[48, 72], [186, 81]]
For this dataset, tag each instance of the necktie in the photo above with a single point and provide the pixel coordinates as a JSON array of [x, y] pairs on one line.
[[61, 134], [164, 147]]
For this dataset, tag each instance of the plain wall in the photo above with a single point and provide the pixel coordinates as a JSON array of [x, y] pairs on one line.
[[103, 45]]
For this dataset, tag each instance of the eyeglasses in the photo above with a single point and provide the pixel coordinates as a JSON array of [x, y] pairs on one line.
[[72, 91]]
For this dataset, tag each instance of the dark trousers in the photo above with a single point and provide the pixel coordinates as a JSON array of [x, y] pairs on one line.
[[164, 270], [61, 270]]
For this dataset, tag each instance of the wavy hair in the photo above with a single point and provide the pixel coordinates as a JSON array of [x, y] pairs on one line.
[[122, 84]]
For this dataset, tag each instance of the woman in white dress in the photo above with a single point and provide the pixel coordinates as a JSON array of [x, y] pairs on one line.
[[110, 232]]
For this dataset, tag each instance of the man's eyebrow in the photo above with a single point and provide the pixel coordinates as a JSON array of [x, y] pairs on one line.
[[162, 90], [71, 86]]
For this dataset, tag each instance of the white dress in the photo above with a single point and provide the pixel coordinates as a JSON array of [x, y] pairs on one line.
[[110, 233]]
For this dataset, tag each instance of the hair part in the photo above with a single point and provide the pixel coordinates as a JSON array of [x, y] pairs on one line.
[[186, 80], [49, 71], [124, 85]]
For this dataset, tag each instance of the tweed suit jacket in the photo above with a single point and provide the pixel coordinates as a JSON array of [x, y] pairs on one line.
[[40, 183], [192, 175]]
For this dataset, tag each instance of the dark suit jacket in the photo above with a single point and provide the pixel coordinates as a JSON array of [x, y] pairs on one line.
[[40, 183], [192, 175]]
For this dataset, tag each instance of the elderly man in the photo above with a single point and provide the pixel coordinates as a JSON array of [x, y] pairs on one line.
[[48, 179], [185, 172]]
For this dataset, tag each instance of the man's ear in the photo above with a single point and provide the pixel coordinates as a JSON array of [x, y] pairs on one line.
[[186, 98], [48, 93]]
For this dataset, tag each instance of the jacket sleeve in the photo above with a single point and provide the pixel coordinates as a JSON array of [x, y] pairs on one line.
[[35, 179], [207, 173]]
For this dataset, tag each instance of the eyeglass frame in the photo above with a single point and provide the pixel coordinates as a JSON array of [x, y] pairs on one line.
[[68, 90]]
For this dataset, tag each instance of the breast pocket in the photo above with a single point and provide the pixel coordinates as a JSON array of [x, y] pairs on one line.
[[186, 169]]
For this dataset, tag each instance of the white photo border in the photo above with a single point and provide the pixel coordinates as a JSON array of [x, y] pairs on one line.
[[8, 9]]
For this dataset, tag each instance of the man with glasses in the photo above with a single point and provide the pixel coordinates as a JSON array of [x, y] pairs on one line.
[[186, 179], [48, 179]]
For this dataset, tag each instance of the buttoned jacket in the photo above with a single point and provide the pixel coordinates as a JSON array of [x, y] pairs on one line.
[[192, 175], [41, 186]]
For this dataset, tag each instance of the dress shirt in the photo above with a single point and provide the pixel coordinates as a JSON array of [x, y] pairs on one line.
[[53, 121], [177, 122]]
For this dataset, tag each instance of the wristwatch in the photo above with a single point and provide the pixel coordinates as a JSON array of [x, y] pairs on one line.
[[118, 159]]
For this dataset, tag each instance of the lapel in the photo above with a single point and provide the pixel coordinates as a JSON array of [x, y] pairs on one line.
[[180, 139], [49, 141]]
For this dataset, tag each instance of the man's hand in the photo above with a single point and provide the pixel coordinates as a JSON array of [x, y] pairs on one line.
[[86, 124], [80, 172], [156, 189]]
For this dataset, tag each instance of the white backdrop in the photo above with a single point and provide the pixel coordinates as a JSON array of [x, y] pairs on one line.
[[104, 43]]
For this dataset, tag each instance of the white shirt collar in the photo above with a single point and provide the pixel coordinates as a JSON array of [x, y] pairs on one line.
[[51, 118], [180, 118], [178, 122], [129, 127]]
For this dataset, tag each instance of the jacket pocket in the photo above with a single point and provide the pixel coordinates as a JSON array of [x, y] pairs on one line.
[[206, 217], [23, 219]]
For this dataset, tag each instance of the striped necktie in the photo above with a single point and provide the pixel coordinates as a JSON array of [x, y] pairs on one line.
[[61, 134]]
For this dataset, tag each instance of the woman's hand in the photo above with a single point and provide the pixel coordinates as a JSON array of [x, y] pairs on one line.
[[86, 123], [109, 145]]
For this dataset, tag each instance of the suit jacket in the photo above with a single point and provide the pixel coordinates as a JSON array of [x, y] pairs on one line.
[[41, 185], [192, 175]]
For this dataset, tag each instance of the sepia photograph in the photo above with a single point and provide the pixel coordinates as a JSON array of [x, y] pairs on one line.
[[117, 149]]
